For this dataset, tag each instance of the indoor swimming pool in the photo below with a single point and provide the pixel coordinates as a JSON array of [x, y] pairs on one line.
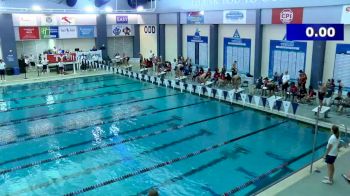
[[112, 135]]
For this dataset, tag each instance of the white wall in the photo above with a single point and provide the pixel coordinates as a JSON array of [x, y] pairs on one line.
[[245, 31], [170, 42], [39, 46], [121, 45], [148, 42], [277, 32], [329, 57], [190, 30]]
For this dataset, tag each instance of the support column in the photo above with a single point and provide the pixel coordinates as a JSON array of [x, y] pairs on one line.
[[179, 35], [161, 40], [8, 41], [317, 63], [101, 39], [213, 43], [136, 42], [258, 45], [158, 36]]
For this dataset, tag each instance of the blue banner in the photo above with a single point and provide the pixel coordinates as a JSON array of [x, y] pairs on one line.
[[54, 32], [287, 56], [315, 32], [197, 49], [195, 18], [237, 49], [86, 31]]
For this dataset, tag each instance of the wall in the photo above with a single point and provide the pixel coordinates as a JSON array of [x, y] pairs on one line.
[[245, 31], [329, 58], [170, 42], [190, 30], [120, 45], [277, 32], [148, 41]]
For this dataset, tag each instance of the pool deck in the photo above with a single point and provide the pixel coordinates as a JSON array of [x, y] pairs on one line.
[[301, 183]]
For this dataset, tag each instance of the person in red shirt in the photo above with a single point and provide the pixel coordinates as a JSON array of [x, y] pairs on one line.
[[216, 76], [293, 91]]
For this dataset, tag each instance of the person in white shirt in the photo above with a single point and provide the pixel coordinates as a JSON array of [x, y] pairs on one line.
[[2, 69], [60, 67], [331, 154], [45, 63], [285, 83]]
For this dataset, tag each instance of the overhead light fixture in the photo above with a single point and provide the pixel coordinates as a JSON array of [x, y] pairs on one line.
[[109, 9], [89, 9], [36, 8], [139, 9], [201, 13]]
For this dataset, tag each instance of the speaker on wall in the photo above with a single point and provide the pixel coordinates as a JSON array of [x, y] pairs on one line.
[[71, 3]]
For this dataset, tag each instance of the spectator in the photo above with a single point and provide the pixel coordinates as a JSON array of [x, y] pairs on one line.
[[311, 94], [293, 91], [234, 69], [344, 103], [302, 79], [205, 76], [2, 69], [45, 63], [216, 76], [331, 154], [198, 72]]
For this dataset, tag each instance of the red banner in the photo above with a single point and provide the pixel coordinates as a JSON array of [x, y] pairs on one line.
[[287, 16], [28, 33], [55, 58]]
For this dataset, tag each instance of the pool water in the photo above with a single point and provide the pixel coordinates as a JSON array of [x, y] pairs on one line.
[[111, 135]]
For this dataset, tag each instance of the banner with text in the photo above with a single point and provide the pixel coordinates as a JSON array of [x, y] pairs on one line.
[[86, 31], [55, 58], [195, 18], [28, 33], [89, 55], [49, 32], [235, 16], [68, 32], [287, 15]]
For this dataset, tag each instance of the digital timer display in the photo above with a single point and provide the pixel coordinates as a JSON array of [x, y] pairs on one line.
[[315, 32]]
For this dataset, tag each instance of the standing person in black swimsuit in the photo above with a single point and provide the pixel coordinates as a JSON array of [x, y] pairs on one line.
[[321, 94]]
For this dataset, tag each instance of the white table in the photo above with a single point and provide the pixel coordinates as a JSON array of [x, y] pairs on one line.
[[324, 110]]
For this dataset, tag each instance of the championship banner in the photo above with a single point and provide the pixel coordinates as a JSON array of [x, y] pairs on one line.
[[235, 16], [55, 58], [287, 16], [195, 18], [90, 55], [122, 30], [86, 31], [28, 33]]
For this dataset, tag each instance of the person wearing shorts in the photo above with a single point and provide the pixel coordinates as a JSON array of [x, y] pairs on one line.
[[321, 94], [2, 70], [285, 83], [331, 154]]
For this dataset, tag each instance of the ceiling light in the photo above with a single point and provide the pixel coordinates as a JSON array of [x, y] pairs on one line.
[[109, 9], [139, 8], [36, 8], [89, 9]]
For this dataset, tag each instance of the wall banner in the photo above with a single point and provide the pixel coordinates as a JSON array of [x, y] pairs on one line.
[[86, 31], [29, 33], [342, 64], [235, 16], [122, 19], [28, 20], [237, 49], [49, 32], [287, 56], [68, 32], [122, 30], [66, 20], [195, 18], [197, 49], [48, 20], [89, 55], [287, 15]]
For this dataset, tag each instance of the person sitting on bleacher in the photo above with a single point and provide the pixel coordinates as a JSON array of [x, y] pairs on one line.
[[293, 90], [311, 95], [204, 77], [345, 103], [216, 76], [302, 93], [198, 72]]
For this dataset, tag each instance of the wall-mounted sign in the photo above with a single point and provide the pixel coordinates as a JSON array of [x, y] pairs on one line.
[[346, 14], [49, 32], [195, 18], [122, 30], [48, 20], [287, 16], [122, 19], [86, 31], [197, 49], [28, 33], [150, 29], [27, 20], [68, 32], [67, 20], [235, 17]]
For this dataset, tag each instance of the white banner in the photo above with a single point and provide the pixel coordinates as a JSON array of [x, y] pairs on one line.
[[209, 91], [27, 20], [220, 94], [286, 105], [182, 87], [243, 97], [67, 20], [199, 90], [48, 20], [235, 16], [159, 81], [68, 32], [173, 83], [346, 14], [271, 102], [90, 55], [190, 88], [166, 82], [256, 100], [231, 95]]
